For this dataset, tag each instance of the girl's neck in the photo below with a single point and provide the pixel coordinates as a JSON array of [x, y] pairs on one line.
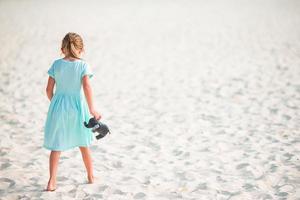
[[69, 58]]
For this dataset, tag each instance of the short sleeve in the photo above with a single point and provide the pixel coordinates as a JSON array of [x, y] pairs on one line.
[[51, 71], [87, 71]]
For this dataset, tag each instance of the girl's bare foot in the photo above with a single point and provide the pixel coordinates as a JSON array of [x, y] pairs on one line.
[[51, 186], [91, 179]]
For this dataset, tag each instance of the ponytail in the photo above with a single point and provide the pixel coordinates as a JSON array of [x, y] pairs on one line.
[[72, 44]]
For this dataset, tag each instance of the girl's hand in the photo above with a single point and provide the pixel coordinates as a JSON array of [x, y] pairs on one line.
[[96, 114]]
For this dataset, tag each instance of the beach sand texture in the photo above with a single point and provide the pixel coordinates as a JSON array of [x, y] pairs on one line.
[[202, 98]]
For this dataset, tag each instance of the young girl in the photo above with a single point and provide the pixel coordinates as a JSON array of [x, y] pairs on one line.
[[69, 108]]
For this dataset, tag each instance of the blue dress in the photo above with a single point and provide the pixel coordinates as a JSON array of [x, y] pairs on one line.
[[68, 109]]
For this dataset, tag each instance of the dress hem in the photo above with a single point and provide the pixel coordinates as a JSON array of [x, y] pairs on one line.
[[67, 148]]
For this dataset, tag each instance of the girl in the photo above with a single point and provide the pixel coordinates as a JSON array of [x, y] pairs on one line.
[[68, 108]]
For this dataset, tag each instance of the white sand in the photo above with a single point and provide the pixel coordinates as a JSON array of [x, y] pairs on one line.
[[202, 98]]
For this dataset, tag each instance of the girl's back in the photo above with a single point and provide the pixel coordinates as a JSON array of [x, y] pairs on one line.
[[68, 75], [68, 108]]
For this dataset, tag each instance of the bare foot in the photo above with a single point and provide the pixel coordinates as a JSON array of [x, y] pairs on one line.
[[91, 179], [51, 186]]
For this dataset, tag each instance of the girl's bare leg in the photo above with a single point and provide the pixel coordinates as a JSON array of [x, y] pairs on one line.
[[53, 164], [87, 159]]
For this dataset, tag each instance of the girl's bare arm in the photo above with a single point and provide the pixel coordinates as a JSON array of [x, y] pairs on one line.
[[89, 96], [50, 86]]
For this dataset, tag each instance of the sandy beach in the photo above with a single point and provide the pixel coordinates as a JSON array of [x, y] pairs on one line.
[[202, 99]]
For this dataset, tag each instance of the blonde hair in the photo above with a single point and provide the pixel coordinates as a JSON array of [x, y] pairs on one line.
[[72, 45]]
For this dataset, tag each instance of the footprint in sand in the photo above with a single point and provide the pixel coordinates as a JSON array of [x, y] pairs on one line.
[[117, 164], [139, 195], [120, 192], [4, 166], [6, 184]]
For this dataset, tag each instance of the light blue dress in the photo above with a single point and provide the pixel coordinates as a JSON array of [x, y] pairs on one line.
[[68, 109]]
